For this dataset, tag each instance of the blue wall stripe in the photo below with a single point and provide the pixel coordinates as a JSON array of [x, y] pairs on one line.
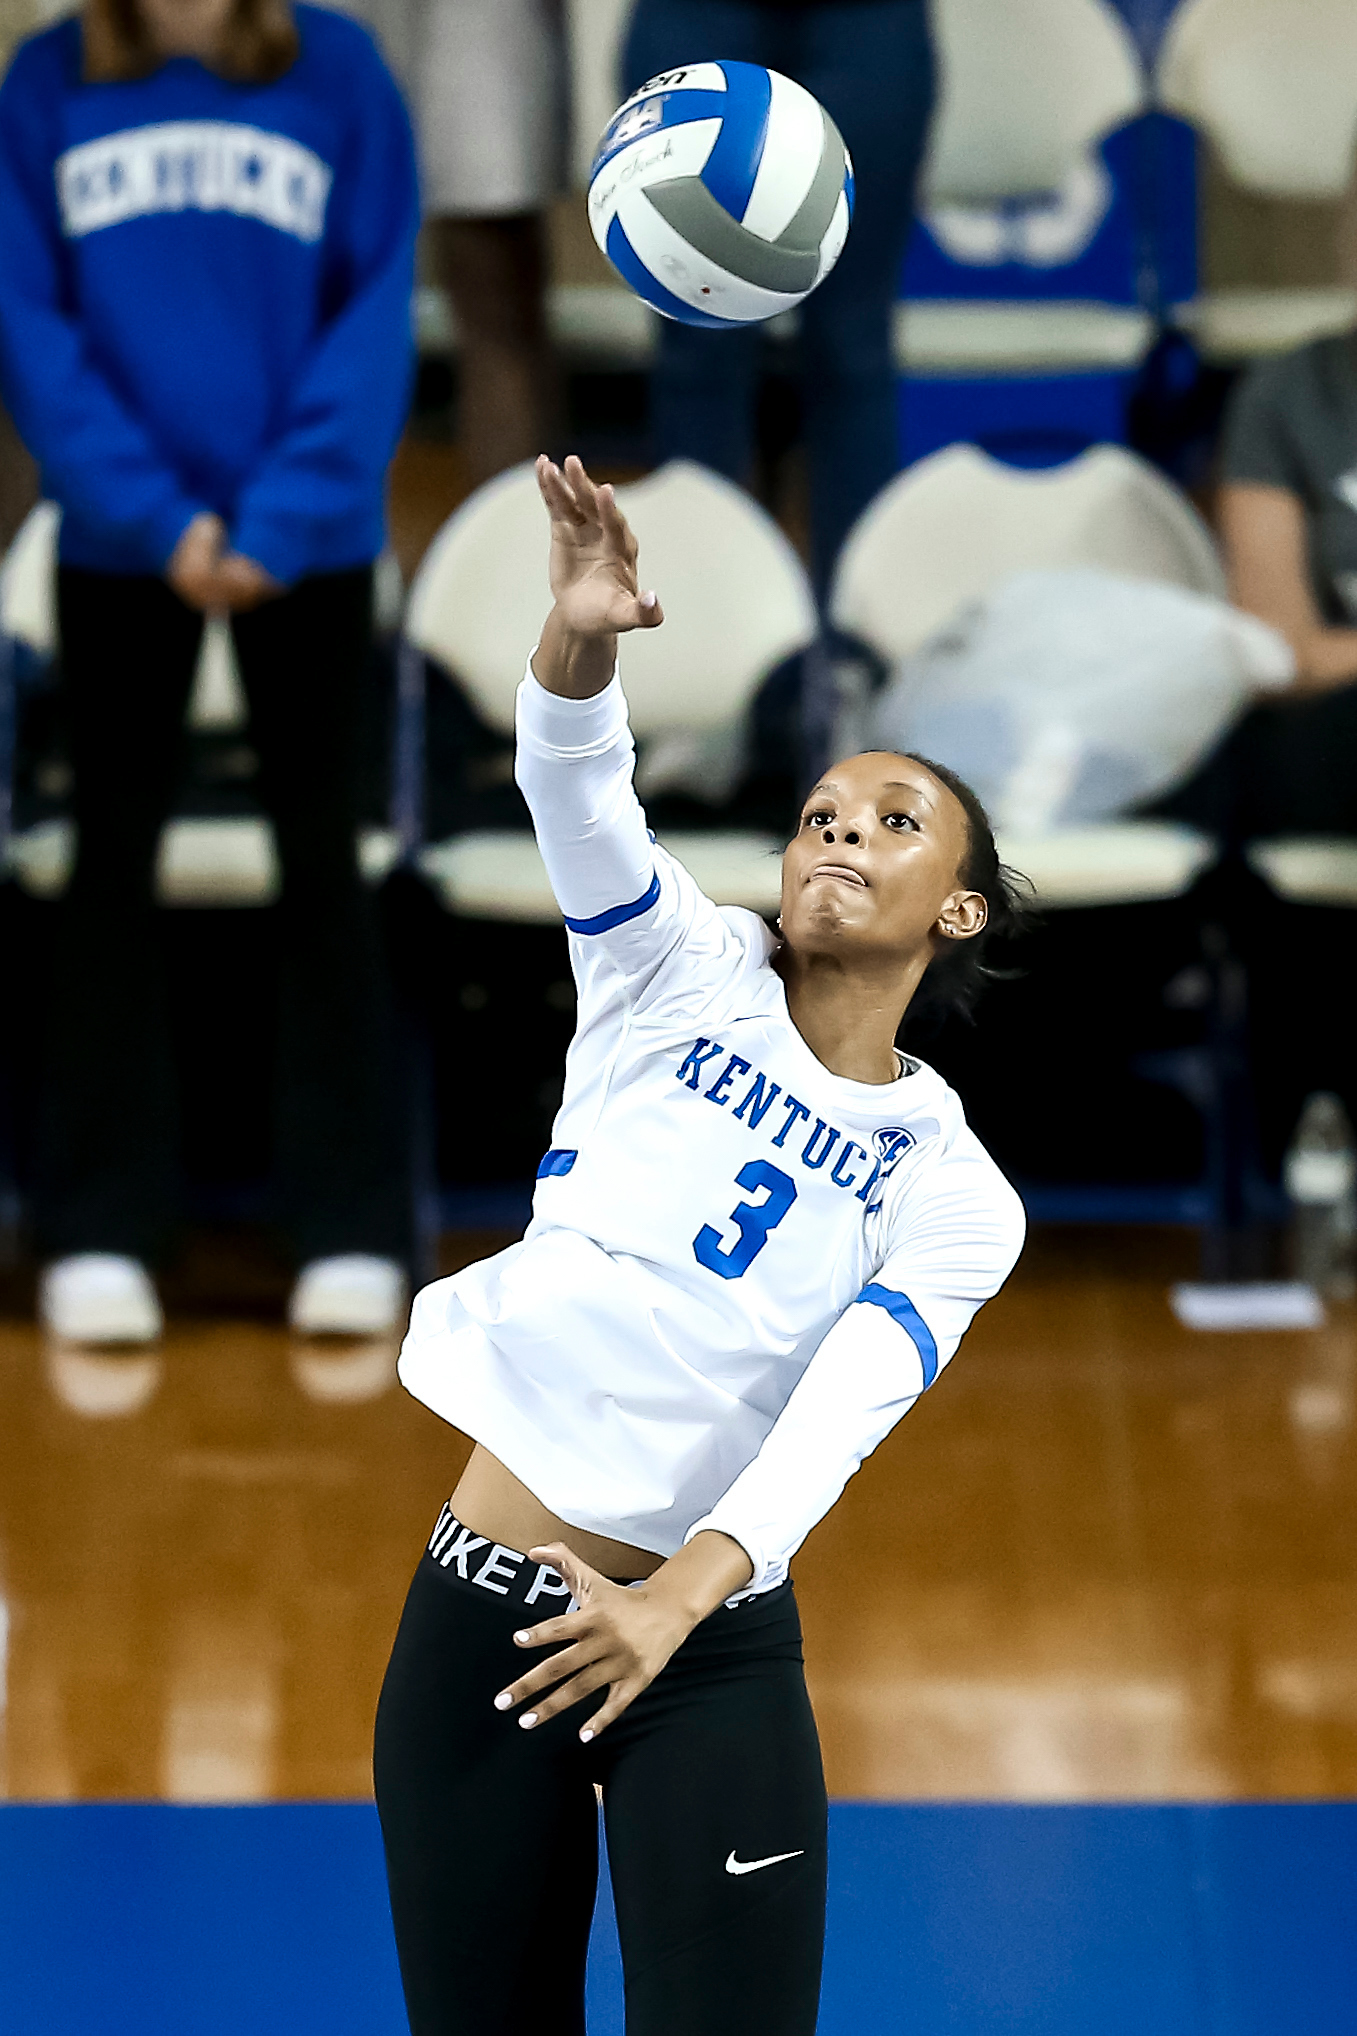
[[633, 270], [945, 1919], [558, 1161], [902, 1310], [617, 915], [733, 164]]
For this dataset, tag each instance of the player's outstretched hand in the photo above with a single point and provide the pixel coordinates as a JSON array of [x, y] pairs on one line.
[[618, 1641], [593, 555]]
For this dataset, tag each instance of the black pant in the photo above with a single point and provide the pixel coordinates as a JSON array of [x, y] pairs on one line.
[[107, 1171], [491, 1832]]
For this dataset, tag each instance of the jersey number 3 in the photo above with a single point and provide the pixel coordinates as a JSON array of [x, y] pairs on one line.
[[753, 1220]]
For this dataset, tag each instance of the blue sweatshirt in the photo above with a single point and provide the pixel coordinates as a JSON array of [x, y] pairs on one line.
[[205, 298]]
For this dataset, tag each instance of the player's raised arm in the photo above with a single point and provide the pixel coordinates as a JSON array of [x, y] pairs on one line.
[[593, 581], [574, 755]]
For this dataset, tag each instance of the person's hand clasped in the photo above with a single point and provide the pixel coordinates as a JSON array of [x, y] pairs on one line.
[[620, 1639], [593, 555], [207, 576]]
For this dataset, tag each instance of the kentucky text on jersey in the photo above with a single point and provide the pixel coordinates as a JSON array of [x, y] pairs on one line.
[[853, 1163]]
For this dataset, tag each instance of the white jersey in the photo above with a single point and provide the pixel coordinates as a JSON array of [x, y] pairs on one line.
[[741, 1269]]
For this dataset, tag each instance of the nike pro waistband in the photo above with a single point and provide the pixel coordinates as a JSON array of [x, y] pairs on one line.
[[489, 1568]]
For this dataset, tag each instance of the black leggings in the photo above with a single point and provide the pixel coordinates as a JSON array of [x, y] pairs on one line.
[[713, 1797], [109, 1125]]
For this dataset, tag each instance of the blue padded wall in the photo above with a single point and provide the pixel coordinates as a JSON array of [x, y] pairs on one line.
[[945, 1920], [1026, 420], [1123, 234]]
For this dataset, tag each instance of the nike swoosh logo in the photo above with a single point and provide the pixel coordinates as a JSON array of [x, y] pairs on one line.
[[734, 1865]]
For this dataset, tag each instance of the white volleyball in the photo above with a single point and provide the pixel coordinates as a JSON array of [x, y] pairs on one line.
[[722, 193]]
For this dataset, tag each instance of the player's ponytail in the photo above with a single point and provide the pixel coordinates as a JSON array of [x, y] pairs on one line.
[[956, 977]]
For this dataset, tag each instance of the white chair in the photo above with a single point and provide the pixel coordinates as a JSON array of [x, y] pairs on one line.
[[957, 523], [1027, 92], [996, 336], [1308, 869], [225, 861], [949, 527], [737, 603], [1273, 85], [28, 604]]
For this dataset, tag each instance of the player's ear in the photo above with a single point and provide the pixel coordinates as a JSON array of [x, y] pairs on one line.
[[963, 916]]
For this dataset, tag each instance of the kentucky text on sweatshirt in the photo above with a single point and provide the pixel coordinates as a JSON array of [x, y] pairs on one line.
[[205, 298]]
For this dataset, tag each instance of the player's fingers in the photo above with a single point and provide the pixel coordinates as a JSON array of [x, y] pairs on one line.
[[581, 487], [548, 483], [619, 1696], [616, 529], [635, 611], [568, 506], [585, 1583], [556, 493], [551, 1632], [567, 1662], [582, 1685]]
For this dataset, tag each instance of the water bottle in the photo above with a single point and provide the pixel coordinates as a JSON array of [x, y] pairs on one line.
[[1320, 1176]]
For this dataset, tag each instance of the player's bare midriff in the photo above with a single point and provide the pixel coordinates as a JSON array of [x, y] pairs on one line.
[[490, 1500]]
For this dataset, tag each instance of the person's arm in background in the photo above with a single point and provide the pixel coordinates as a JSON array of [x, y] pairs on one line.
[[1264, 483], [349, 404], [1263, 528], [92, 449]]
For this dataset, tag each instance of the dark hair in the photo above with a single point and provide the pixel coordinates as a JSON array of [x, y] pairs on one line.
[[955, 978], [259, 42]]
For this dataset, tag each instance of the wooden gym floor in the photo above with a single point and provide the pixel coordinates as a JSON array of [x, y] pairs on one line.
[[1104, 1559]]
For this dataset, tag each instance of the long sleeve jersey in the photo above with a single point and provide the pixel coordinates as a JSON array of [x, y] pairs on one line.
[[741, 1269], [205, 298]]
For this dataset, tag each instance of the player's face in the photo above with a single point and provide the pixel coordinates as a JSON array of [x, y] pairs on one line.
[[872, 868]]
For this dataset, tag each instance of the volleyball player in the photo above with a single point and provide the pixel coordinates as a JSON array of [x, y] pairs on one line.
[[760, 1235]]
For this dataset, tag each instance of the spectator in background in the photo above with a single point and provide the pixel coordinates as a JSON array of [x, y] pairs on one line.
[[488, 82], [1288, 517], [870, 64], [207, 222], [18, 480], [18, 474]]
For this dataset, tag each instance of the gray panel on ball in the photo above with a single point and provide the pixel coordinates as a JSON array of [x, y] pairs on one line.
[[688, 206], [809, 223]]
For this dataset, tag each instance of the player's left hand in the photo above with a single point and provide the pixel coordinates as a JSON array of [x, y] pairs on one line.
[[620, 1639]]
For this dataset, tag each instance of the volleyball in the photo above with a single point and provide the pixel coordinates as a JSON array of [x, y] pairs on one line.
[[721, 193]]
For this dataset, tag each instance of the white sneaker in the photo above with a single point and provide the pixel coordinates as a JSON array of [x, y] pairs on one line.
[[99, 1297], [355, 1295]]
